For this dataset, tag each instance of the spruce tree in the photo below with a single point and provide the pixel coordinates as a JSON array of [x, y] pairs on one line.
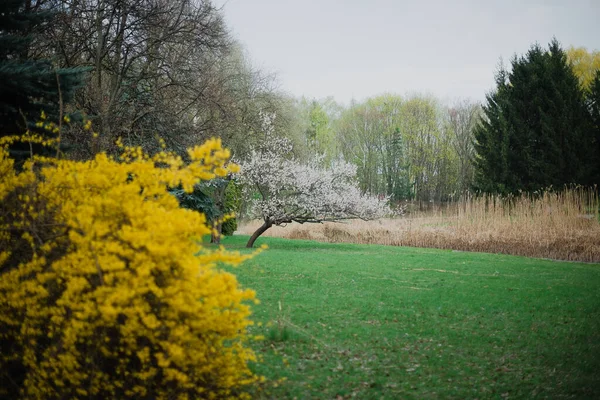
[[491, 143], [398, 185], [593, 98], [28, 86], [537, 130]]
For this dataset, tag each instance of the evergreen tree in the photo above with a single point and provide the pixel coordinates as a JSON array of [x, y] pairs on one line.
[[594, 108], [28, 86], [491, 143], [398, 185], [537, 129]]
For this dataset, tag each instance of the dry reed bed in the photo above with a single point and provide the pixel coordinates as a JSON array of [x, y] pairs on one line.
[[561, 226]]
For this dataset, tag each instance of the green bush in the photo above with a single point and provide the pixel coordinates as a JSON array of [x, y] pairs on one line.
[[233, 202]]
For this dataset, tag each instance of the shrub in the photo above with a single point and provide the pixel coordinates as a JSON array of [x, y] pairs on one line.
[[105, 291], [197, 200], [233, 203]]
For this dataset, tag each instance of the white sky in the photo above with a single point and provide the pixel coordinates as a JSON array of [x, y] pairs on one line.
[[361, 48]]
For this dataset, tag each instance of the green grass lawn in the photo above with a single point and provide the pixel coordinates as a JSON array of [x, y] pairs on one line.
[[372, 322]]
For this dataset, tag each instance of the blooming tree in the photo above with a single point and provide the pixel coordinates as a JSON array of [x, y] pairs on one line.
[[290, 191]]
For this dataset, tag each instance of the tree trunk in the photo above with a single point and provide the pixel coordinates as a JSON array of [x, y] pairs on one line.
[[215, 238], [258, 232], [218, 197]]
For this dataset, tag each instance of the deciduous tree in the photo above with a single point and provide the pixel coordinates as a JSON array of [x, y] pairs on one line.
[[289, 191], [463, 117], [585, 64]]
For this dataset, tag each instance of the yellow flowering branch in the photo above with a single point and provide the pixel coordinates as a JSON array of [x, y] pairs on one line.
[[105, 289]]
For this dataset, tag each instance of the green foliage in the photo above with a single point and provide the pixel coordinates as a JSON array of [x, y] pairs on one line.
[[27, 85], [233, 204], [397, 178], [491, 142], [207, 199], [371, 137], [537, 131], [402, 148], [319, 136], [229, 226], [197, 200], [593, 98], [433, 160], [585, 64]]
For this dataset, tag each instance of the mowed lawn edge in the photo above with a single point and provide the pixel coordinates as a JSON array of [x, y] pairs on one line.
[[371, 321]]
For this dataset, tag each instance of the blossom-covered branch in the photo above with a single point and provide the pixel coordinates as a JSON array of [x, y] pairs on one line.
[[283, 190]]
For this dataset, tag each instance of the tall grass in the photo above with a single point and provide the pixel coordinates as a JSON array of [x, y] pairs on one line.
[[558, 225]]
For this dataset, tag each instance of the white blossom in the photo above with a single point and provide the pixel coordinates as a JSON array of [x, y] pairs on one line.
[[291, 191]]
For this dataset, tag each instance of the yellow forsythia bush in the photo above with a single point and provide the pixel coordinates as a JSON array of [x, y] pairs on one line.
[[105, 289]]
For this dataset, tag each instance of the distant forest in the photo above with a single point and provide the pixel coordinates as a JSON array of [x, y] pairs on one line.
[[146, 71]]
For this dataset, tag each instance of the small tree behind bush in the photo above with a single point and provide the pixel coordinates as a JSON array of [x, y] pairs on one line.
[[105, 288], [233, 204], [218, 199]]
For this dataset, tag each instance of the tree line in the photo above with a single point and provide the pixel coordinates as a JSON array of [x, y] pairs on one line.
[[406, 148], [168, 73], [139, 70], [541, 125], [538, 129]]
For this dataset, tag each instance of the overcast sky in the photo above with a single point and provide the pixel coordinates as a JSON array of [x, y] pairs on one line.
[[361, 48]]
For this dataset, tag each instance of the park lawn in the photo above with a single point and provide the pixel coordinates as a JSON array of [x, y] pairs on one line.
[[373, 322]]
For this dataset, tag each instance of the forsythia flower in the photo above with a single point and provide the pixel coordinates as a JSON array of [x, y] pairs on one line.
[[105, 288]]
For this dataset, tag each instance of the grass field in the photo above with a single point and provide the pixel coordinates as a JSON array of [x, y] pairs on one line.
[[372, 322]]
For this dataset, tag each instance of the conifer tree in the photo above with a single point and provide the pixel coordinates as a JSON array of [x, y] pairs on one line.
[[491, 143], [398, 184], [594, 108], [27, 85], [537, 130]]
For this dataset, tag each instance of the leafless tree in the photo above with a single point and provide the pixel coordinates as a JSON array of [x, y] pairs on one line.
[[463, 117], [159, 68]]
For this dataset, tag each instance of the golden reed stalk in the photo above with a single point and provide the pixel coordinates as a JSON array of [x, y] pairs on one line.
[[561, 225]]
